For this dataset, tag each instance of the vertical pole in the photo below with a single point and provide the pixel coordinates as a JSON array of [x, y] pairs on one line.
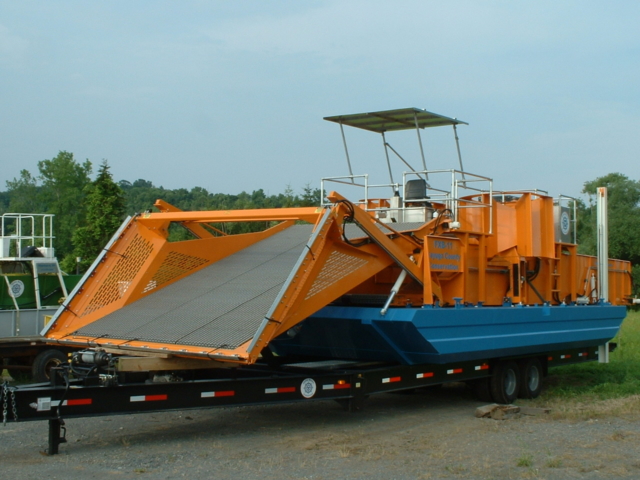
[[455, 134], [603, 245], [603, 260], [455, 199], [386, 152], [36, 285], [575, 221], [61, 280], [346, 151], [13, 298], [424, 163]]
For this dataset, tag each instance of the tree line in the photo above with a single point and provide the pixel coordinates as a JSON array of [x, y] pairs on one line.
[[89, 211]]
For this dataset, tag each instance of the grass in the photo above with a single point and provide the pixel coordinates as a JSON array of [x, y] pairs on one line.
[[525, 460], [553, 462], [594, 389]]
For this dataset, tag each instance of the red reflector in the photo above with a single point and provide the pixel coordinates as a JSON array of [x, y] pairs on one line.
[[79, 401], [341, 385], [227, 393], [286, 389], [154, 398], [550, 358]]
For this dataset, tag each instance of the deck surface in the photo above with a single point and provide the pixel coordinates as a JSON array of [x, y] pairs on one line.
[[220, 306]]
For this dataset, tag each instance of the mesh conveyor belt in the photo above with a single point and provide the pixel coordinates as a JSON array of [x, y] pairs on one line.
[[219, 306]]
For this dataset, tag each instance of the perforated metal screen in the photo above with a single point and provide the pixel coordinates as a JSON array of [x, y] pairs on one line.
[[220, 306]]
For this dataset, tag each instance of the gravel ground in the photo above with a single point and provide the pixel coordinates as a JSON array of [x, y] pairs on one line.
[[428, 435]]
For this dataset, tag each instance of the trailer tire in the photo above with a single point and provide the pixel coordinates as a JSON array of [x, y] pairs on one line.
[[482, 389], [44, 362], [505, 382], [531, 374]]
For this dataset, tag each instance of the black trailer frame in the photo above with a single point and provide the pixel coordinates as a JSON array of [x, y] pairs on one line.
[[347, 382]]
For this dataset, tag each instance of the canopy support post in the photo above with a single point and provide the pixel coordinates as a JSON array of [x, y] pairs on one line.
[[455, 134], [386, 152], [346, 151], [424, 163]]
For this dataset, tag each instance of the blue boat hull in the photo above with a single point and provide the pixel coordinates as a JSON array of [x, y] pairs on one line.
[[414, 336]]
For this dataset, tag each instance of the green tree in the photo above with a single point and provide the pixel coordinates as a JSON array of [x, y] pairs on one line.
[[106, 209], [310, 198], [58, 189], [623, 195], [63, 182], [24, 194], [4, 202], [289, 197]]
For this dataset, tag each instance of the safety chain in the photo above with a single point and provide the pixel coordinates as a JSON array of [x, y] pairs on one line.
[[5, 392]]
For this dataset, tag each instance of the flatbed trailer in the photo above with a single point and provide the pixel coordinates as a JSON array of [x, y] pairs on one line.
[[347, 382], [446, 280]]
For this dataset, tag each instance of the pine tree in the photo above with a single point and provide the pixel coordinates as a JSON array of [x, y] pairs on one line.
[[105, 203]]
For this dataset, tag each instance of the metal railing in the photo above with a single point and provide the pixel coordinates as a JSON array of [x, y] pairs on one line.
[[19, 230], [361, 183], [452, 188]]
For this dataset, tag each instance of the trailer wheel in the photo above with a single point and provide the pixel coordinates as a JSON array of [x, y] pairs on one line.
[[44, 362], [505, 382], [482, 389], [531, 374]]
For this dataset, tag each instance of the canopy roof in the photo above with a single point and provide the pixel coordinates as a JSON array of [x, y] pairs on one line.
[[392, 120]]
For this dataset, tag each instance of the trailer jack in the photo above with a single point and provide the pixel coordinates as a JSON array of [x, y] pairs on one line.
[[56, 426]]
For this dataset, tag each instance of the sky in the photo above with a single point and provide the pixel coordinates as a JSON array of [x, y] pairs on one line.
[[230, 95]]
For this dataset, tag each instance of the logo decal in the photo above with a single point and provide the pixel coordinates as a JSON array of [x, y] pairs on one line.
[[565, 223], [308, 388], [16, 288]]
